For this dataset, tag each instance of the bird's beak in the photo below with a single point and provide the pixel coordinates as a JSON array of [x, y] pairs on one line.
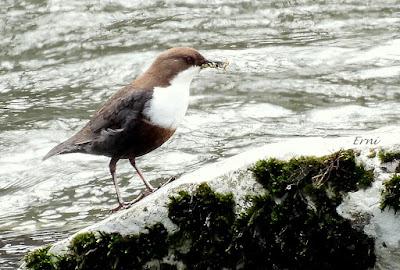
[[214, 64]]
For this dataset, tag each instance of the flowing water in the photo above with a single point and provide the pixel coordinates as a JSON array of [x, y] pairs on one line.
[[298, 68]]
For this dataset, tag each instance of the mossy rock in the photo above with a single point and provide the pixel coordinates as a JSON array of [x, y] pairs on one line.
[[388, 156], [372, 153], [391, 194], [40, 259], [104, 251], [294, 225], [205, 220]]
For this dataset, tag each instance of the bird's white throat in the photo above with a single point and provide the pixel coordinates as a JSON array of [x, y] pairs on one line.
[[169, 104]]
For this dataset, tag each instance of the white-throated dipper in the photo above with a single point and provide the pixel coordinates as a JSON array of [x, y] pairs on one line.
[[141, 116]]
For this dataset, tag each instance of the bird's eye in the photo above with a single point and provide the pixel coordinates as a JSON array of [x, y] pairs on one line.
[[189, 60]]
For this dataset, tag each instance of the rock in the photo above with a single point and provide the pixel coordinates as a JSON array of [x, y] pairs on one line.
[[185, 216]]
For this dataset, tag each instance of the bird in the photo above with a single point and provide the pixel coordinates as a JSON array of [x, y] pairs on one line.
[[142, 115]]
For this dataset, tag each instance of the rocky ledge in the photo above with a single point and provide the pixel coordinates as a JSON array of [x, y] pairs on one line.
[[309, 203]]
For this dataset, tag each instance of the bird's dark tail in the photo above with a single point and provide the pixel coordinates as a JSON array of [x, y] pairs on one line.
[[63, 148]]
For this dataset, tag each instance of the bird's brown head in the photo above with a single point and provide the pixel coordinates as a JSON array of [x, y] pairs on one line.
[[172, 62]]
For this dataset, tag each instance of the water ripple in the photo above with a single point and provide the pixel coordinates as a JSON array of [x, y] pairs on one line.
[[298, 68]]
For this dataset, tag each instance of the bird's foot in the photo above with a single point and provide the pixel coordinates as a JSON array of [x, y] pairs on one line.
[[140, 196], [173, 178], [149, 189], [143, 194], [121, 205]]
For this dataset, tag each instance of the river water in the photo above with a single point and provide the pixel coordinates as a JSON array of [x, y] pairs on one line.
[[298, 68]]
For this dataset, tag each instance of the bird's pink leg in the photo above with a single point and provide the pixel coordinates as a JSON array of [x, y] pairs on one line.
[[146, 183], [113, 167]]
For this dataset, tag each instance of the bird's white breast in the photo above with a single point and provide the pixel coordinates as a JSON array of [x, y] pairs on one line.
[[169, 104]]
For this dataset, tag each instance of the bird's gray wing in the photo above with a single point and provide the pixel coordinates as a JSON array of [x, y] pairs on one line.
[[121, 113]]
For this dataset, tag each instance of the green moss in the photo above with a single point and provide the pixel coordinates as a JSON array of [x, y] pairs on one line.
[[391, 194], [205, 220], [338, 171], [372, 153], [388, 156], [40, 259], [106, 251], [294, 225]]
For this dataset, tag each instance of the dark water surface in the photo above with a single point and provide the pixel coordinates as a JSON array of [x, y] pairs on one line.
[[298, 68]]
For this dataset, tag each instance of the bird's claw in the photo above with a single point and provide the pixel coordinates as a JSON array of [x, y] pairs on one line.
[[144, 193], [121, 205], [173, 178], [148, 192]]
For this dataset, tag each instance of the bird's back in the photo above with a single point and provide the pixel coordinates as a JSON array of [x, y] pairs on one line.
[[119, 115]]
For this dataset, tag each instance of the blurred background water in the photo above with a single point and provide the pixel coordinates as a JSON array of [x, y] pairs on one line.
[[298, 68]]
